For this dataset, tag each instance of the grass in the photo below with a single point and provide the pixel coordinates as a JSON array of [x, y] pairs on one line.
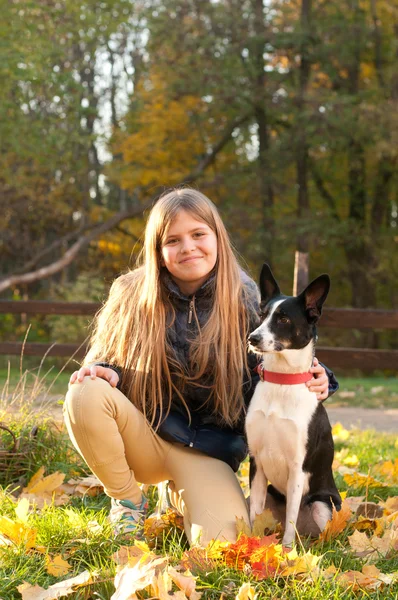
[[80, 532], [366, 392]]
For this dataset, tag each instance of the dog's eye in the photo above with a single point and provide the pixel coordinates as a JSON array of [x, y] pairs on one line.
[[283, 320]]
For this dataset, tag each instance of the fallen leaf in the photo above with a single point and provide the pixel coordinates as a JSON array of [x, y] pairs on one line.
[[132, 579], [46, 485], [359, 480], [22, 510], [18, 532], [264, 522], [57, 566], [201, 560], [157, 524], [339, 433], [36, 477], [391, 504], [337, 523], [58, 590], [186, 582], [306, 564], [246, 592], [388, 470], [161, 585], [360, 544], [45, 499], [130, 555]]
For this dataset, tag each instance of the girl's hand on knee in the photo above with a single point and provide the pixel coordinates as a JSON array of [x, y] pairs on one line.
[[95, 371]]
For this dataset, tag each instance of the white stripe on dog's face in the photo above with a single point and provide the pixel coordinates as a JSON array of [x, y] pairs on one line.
[[263, 339]]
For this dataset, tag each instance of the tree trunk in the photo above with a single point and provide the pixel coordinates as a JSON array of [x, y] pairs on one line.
[[302, 162], [264, 169]]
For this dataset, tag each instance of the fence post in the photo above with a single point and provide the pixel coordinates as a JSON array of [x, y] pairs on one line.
[[300, 279]]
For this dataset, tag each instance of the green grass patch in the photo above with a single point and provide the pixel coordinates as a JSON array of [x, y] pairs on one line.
[[82, 535], [366, 392]]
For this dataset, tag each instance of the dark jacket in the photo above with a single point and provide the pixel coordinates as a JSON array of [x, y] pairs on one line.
[[203, 430]]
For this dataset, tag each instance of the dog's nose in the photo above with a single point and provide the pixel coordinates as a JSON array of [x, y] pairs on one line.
[[254, 338]]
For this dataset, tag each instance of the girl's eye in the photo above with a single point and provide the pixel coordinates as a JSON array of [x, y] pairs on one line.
[[284, 320], [171, 241], [198, 234]]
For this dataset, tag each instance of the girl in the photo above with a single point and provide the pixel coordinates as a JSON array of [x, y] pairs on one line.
[[165, 395]]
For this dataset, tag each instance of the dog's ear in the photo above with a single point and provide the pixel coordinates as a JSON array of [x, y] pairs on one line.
[[314, 296], [268, 286]]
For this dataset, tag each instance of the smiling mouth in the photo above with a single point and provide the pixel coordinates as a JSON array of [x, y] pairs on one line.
[[191, 258]]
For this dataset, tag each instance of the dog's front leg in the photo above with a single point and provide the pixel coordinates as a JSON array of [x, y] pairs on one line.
[[295, 486], [258, 491]]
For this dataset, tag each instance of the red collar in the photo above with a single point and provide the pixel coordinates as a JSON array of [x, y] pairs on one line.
[[283, 378]]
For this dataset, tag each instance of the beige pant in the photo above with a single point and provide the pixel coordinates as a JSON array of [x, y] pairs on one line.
[[119, 446]]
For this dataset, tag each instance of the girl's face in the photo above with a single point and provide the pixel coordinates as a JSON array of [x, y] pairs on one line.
[[189, 251]]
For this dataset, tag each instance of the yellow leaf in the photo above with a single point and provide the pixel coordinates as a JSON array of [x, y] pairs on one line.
[[358, 480], [36, 477], [329, 573], [263, 522], [242, 526], [19, 533], [364, 524], [360, 544], [57, 566], [22, 510], [130, 555], [337, 523], [391, 504], [215, 549], [41, 500], [351, 461], [161, 585], [306, 564], [46, 485], [246, 592], [339, 433]]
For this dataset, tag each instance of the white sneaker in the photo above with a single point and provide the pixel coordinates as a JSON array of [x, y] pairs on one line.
[[127, 517]]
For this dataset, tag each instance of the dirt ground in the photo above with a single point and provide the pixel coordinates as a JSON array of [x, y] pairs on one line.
[[365, 418]]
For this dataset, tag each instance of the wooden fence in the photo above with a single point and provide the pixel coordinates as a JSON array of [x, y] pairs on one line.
[[366, 359]]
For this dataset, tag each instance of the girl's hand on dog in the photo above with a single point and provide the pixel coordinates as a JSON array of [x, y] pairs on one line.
[[95, 371], [320, 382]]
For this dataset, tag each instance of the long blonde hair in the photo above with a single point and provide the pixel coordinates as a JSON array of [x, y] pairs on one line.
[[131, 328]]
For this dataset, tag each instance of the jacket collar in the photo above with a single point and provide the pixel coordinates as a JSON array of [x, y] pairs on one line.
[[205, 289]]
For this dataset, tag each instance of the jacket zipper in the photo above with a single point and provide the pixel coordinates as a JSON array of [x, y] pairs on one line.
[[191, 309], [193, 438]]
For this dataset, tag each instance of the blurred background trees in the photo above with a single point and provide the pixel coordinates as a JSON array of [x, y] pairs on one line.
[[283, 112]]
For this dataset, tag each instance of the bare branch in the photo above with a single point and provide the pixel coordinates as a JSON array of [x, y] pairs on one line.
[[73, 251], [111, 223], [211, 156], [53, 246]]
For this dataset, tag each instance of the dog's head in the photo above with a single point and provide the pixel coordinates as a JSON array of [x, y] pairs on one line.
[[288, 322]]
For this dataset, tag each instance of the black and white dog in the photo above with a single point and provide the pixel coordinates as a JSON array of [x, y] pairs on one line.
[[288, 430]]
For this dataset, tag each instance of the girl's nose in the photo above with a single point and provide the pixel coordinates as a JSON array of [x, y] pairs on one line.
[[188, 245]]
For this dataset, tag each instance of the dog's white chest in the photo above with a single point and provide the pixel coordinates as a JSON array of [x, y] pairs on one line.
[[277, 429]]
